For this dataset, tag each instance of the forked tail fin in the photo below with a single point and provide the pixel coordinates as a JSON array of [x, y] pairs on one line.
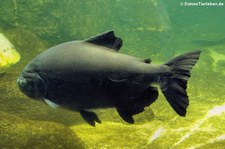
[[174, 86]]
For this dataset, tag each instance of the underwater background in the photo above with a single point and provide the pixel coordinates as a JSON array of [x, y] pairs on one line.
[[156, 29]]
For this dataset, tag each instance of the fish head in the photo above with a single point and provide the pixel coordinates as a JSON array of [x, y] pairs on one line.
[[32, 85]]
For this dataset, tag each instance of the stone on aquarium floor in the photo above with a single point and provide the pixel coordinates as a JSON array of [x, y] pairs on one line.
[[8, 54], [204, 131], [16, 132]]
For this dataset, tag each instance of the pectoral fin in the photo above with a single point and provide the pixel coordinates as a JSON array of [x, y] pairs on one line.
[[125, 114], [50, 103], [90, 117]]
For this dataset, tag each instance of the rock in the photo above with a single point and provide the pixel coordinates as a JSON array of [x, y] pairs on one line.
[[203, 128], [8, 54], [21, 133], [113, 135], [60, 21]]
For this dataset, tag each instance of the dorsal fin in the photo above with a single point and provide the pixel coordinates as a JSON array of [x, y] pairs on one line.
[[107, 39]]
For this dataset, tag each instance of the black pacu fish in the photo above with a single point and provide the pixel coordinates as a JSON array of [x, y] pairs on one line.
[[89, 74]]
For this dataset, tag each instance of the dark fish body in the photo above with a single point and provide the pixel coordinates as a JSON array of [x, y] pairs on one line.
[[90, 74]]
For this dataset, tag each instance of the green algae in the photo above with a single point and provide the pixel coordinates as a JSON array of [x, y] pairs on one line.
[[17, 132], [36, 26], [49, 20], [170, 127]]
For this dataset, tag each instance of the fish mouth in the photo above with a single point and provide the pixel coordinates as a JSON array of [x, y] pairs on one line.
[[32, 85], [21, 81]]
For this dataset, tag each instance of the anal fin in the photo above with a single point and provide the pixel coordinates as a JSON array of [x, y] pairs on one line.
[[147, 97], [137, 104]]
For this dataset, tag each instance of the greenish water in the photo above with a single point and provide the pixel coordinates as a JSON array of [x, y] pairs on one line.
[[149, 28]]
